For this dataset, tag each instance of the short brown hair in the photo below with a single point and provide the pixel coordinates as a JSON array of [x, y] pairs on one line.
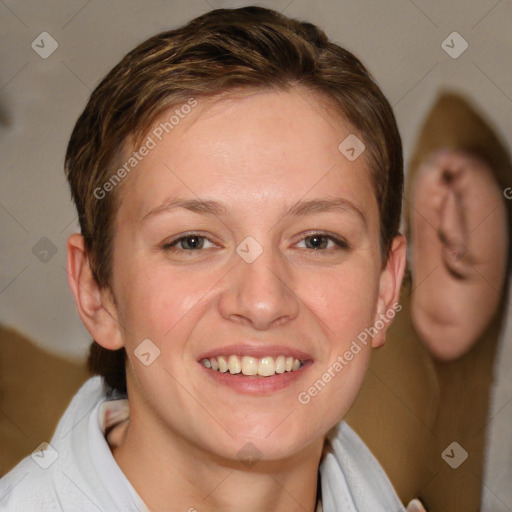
[[217, 52]]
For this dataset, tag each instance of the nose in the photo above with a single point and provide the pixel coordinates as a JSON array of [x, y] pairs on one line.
[[260, 294]]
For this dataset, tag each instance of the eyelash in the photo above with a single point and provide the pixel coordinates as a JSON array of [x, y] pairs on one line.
[[342, 244]]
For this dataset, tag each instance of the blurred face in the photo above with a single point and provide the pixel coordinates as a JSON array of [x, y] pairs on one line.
[[460, 245], [247, 257]]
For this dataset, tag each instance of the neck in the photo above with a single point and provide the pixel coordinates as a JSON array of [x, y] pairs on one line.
[[193, 479]]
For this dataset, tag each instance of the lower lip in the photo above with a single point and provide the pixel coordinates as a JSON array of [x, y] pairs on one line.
[[252, 385]]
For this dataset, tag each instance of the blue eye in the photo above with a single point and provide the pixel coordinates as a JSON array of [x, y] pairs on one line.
[[189, 242]]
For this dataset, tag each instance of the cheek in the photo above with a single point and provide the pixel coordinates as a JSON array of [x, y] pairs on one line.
[[343, 299], [156, 302], [330, 391]]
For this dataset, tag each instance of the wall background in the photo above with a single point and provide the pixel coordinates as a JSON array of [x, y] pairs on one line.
[[41, 98]]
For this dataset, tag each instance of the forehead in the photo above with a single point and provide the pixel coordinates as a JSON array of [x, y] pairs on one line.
[[253, 151]]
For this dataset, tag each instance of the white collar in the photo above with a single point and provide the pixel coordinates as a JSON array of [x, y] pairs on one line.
[[351, 478]]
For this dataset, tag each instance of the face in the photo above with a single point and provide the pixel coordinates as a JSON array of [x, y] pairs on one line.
[[245, 233], [460, 245]]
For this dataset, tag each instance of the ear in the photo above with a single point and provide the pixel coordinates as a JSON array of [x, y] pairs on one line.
[[390, 284], [95, 305]]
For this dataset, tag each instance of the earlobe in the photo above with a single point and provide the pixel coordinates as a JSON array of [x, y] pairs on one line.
[[389, 289], [94, 304]]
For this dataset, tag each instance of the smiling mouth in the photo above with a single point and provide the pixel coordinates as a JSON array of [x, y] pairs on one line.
[[253, 366]]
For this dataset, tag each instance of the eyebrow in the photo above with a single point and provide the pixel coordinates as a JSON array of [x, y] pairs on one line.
[[300, 208]]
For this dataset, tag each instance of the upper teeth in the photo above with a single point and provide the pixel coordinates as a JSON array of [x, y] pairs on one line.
[[265, 366]]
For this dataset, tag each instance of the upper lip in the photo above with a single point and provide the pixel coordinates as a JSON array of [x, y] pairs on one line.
[[257, 350]]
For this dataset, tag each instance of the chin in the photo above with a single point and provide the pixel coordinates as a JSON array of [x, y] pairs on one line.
[[275, 444]]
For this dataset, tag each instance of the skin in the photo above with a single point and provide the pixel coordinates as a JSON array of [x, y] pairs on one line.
[[460, 246], [258, 155]]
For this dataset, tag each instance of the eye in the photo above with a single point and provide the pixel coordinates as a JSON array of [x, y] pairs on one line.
[[190, 242], [320, 242]]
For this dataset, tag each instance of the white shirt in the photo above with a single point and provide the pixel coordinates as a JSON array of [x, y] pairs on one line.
[[77, 471]]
